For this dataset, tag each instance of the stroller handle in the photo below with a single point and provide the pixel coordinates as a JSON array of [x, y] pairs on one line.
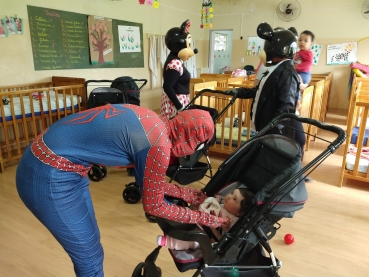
[[111, 81], [341, 134], [233, 99]]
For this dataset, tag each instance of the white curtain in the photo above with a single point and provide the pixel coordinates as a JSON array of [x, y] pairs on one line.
[[153, 61]]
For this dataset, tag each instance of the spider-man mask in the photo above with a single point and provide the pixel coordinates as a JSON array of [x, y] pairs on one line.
[[190, 128]]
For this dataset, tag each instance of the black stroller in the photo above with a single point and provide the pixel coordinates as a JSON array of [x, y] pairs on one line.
[[188, 169], [122, 90], [270, 166]]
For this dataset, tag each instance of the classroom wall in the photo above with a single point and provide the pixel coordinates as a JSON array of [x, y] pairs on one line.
[[16, 60], [332, 21]]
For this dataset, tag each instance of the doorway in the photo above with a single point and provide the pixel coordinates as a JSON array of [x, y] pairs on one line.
[[220, 52]]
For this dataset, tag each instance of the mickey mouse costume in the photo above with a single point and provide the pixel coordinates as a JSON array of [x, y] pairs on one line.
[[278, 89], [175, 75]]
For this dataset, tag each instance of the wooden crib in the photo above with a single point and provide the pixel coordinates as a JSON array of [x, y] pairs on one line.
[[233, 128], [353, 165], [26, 110]]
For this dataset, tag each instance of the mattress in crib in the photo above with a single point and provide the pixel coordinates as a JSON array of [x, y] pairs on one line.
[[234, 134], [36, 105], [350, 163]]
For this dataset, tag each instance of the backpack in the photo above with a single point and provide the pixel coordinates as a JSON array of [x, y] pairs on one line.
[[129, 87], [249, 69]]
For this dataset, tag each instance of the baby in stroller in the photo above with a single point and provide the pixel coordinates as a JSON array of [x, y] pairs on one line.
[[232, 206]]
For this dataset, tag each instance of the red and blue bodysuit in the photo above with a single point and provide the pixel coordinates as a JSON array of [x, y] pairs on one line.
[[51, 176]]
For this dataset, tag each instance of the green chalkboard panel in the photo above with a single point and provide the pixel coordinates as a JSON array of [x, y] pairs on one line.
[[60, 40]]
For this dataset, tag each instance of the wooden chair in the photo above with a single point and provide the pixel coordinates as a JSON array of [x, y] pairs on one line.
[[213, 75], [252, 77], [222, 83], [305, 110], [316, 106], [194, 81], [237, 80], [326, 93]]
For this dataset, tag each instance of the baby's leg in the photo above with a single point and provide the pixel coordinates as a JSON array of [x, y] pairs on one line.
[[177, 244]]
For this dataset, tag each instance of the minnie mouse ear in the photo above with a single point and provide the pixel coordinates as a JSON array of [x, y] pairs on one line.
[[265, 31]]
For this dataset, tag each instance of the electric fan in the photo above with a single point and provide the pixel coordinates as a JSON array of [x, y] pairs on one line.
[[365, 9], [288, 10]]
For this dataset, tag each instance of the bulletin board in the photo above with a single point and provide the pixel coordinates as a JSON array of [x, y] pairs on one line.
[[60, 40]]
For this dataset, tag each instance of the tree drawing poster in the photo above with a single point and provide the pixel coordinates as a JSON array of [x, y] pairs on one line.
[[101, 40], [344, 53], [129, 39]]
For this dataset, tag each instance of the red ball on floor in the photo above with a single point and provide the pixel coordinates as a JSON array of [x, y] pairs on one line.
[[289, 238]]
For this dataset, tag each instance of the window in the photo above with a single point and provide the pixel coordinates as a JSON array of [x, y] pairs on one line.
[[220, 42]]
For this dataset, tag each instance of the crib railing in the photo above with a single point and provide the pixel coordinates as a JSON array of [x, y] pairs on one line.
[[26, 113]]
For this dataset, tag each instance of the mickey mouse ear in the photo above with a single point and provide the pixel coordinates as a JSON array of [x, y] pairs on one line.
[[294, 31], [265, 31]]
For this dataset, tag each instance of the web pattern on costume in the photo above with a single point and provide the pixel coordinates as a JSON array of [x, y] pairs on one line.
[[90, 114], [154, 184]]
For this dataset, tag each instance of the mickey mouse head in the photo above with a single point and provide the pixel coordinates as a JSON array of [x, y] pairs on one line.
[[278, 43]]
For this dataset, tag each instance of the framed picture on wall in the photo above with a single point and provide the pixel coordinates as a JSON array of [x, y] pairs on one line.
[[254, 45], [3, 29], [9, 23], [343, 53], [18, 22]]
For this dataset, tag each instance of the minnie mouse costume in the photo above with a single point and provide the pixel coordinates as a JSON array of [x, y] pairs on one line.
[[175, 75]]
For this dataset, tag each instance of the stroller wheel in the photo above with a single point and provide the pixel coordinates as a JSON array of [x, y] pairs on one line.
[[95, 174], [131, 194], [104, 171], [131, 171], [150, 218], [138, 272]]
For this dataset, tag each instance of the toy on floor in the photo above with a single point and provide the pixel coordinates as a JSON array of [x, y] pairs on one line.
[[289, 238]]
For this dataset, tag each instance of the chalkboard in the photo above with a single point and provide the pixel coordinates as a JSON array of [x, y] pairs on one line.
[[60, 40]]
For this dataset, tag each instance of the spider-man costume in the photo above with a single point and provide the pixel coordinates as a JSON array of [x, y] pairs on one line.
[[51, 176]]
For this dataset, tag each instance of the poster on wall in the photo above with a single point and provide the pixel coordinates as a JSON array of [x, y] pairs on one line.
[[18, 22], [254, 45], [101, 40], [316, 49], [3, 29], [129, 39], [344, 53], [9, 24]]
